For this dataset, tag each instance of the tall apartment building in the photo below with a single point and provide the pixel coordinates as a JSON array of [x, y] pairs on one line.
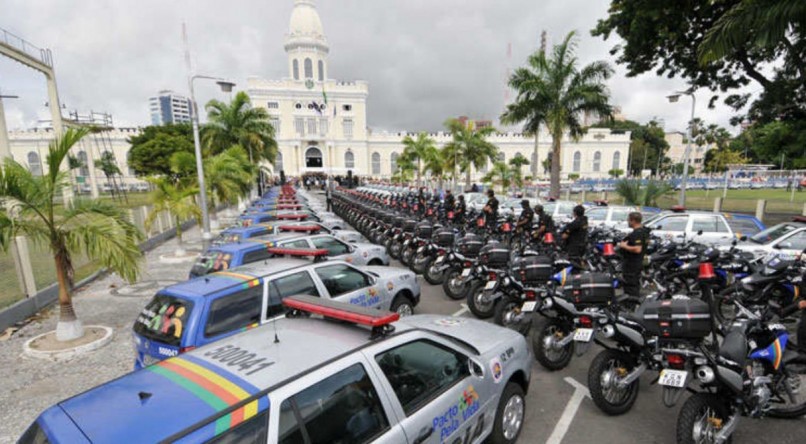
[[170, 107]]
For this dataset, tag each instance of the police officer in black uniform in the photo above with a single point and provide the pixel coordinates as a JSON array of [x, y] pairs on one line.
[[575, 235], [526, 218], [461, 210], [491, 210], [545, 224], [633, 248], [450, 202]]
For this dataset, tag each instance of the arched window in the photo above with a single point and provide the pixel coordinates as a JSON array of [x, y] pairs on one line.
[[376, 163], [313, 157], [321, 71], [296, 69], [34, 164], [278, 162], [597, 161], [577, 161], [393, 162], [308, 69], [349, 159], [617, 160], [84, 170]]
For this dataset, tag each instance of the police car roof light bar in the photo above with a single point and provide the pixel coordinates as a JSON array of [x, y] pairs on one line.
[[301, 228], [299, 252], [380, 321], [292, 216]]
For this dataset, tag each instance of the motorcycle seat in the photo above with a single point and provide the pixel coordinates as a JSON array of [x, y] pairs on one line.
[[734, 347]]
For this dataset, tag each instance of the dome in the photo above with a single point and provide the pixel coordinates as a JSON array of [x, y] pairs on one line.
[[305, 25]]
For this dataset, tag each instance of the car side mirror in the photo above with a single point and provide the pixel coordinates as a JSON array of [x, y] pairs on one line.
[[783, 246], [699, 233], [658, 227], [475, 368]]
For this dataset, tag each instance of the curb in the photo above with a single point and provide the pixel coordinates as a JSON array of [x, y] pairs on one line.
[[69, 353]]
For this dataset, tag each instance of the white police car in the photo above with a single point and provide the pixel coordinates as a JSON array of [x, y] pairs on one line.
[[423, 379]]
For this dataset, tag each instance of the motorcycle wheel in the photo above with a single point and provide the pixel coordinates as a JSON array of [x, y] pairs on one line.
[[419, 263], [394, 250], [699, 418], [476, 306], [603, 376], [505, 311], [796, 384], [431, 276], [405, 256], [450, 286], [546, 334]]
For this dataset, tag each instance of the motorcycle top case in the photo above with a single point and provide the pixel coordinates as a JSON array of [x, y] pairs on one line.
[[399, 221], [678, 318], [470, 245], [589, 289], [444, 237], [494, 255], [423, 230], [409, 225], [535, 269]]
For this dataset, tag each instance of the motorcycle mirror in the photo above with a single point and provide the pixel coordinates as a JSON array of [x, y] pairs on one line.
[[699, 233], [743, 238]]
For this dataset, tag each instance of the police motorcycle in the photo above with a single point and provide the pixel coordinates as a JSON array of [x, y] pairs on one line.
[[460, 266], [492, 274], [433, 258], [779, 280], [516, 308], [752, 373]]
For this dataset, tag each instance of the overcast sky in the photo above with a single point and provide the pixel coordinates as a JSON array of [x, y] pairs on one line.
[[425, 60]]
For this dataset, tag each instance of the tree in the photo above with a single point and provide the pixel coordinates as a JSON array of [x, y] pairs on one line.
[[555, 92], [634, 193], [517, 163], [718, 45], [151, 150], [770, 143], [95, 228], [546, 165], [468, 147], [177, 200], [420, 150], [500, 174], [648, 145], [239, 123], [615, 173], [718, 159]]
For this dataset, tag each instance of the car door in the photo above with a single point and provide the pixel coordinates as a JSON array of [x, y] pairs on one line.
[[439, 392], [287, 284], [337, 249], [713, 227], [792, 245], [347, 284], [339, 403]]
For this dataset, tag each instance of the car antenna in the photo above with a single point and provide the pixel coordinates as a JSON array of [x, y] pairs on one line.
[[276, 337]]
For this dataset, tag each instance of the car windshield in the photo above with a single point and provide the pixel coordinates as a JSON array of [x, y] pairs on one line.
[[209, 262], [597, 214], [163, 319], [226, 238], [772, 233]]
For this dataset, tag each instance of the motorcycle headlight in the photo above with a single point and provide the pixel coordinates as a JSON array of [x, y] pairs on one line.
[[548, 302], [506, 281]]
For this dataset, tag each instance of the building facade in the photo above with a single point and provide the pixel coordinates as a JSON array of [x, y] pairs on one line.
[[170, 107], [677, 151], [321, 123]]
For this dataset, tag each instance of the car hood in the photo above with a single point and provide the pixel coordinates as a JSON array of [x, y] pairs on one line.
[[365, 246], [483, 336], [391, 273]]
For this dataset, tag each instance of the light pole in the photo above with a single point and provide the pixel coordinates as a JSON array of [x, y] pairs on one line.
[[226, 87], [672, 99]]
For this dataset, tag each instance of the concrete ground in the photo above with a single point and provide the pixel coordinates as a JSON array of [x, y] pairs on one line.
[[558, 410]]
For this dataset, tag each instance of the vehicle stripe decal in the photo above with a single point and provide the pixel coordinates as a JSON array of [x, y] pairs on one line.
[[778, 354], [213, 388], [248, 281]]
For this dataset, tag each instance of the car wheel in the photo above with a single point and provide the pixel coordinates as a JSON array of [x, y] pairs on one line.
[[375, 261], [402, 305], [509, 415]]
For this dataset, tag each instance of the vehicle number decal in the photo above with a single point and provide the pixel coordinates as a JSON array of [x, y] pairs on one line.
[[466, 272], [583, 334], [366, 300], [490, 285], [243, 361], [529, 306], [507, 354]]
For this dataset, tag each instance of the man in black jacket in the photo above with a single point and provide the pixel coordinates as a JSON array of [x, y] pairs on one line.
[[575, 235], [491, 210], [633, 248]]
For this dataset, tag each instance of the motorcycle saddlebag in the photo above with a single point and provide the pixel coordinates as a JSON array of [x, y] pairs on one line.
[[423, 230], [589, 289], [470, 245], [399, 221], [494, 255], [678, 318], [444, 237], [409, 225], [535, 269]]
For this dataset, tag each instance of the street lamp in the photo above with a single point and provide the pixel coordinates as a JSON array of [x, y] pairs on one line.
[[673, 98], [226, 86]]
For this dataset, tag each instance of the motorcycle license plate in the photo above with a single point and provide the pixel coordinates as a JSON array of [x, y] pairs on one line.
[[421, 249], [583, 334], [490, 285], [673, 378], [529, 306], [466, 272], [440, 260]]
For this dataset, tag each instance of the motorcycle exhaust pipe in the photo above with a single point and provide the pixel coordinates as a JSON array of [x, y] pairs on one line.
[[705, 375], [632, 376], [608, 331]]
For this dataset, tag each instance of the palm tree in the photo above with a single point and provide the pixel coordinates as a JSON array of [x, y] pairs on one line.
[[238, 123], [553, 91], [634, 194], [500, 174], [229, 177], [516, 163], [468, 147], [422, 149], [177, 200], [99, 230]]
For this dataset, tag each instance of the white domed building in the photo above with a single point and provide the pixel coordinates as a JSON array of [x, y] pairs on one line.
[[333, 137]]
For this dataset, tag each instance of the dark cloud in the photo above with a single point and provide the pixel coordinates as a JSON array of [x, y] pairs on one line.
[[426, 60]]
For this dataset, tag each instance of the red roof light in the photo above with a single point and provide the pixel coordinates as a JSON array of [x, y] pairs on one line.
[[300, 252], [292, 216], [678, 208], [342, 311], [301, 228]]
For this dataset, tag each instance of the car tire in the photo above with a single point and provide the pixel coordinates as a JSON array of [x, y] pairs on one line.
[[509, 415], [402, 305]]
